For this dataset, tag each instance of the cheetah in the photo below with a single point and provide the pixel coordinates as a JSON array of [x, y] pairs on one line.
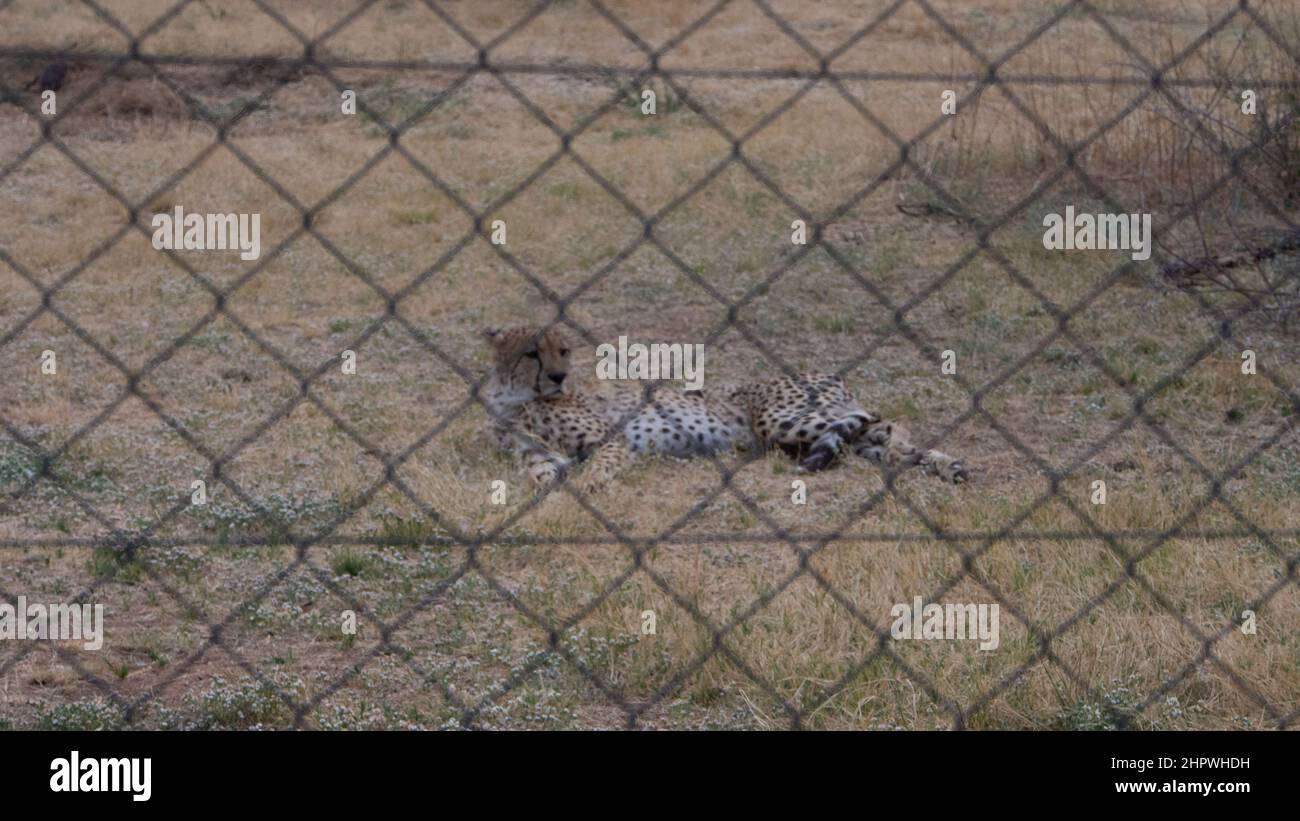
[[534, 414]]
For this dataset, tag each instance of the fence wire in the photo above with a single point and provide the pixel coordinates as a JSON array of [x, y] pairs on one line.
[[1157, 83]]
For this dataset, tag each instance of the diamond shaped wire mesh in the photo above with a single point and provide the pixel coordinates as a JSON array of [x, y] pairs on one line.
[[1156, 84]]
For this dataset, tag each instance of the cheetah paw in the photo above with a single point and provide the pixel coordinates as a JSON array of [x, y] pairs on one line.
[[548, 474], [956, 473]]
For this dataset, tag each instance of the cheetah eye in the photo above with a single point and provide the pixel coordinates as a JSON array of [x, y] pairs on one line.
[[564, 352], [532, 355]]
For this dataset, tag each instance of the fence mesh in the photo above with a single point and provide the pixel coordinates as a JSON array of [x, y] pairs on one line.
[[1156, 83]]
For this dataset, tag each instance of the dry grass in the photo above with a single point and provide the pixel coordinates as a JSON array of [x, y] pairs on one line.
[[556, 561]]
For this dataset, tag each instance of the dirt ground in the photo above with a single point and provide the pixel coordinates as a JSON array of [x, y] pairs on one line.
[[530, 613]]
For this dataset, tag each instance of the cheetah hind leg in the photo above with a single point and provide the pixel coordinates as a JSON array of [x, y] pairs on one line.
[[891, 445], [833, 436]]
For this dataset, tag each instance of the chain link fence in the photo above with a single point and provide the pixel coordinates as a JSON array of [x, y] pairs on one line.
[[1156, 84]]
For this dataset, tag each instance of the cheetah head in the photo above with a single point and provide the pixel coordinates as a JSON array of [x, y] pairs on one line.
[[528, 363]]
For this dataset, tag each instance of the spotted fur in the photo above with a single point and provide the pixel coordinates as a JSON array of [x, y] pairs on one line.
[[813, 416]]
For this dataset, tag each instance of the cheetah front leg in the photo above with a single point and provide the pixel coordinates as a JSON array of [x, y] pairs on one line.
[[890, 444], [606, 462], [545, 465], [548, 467]]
